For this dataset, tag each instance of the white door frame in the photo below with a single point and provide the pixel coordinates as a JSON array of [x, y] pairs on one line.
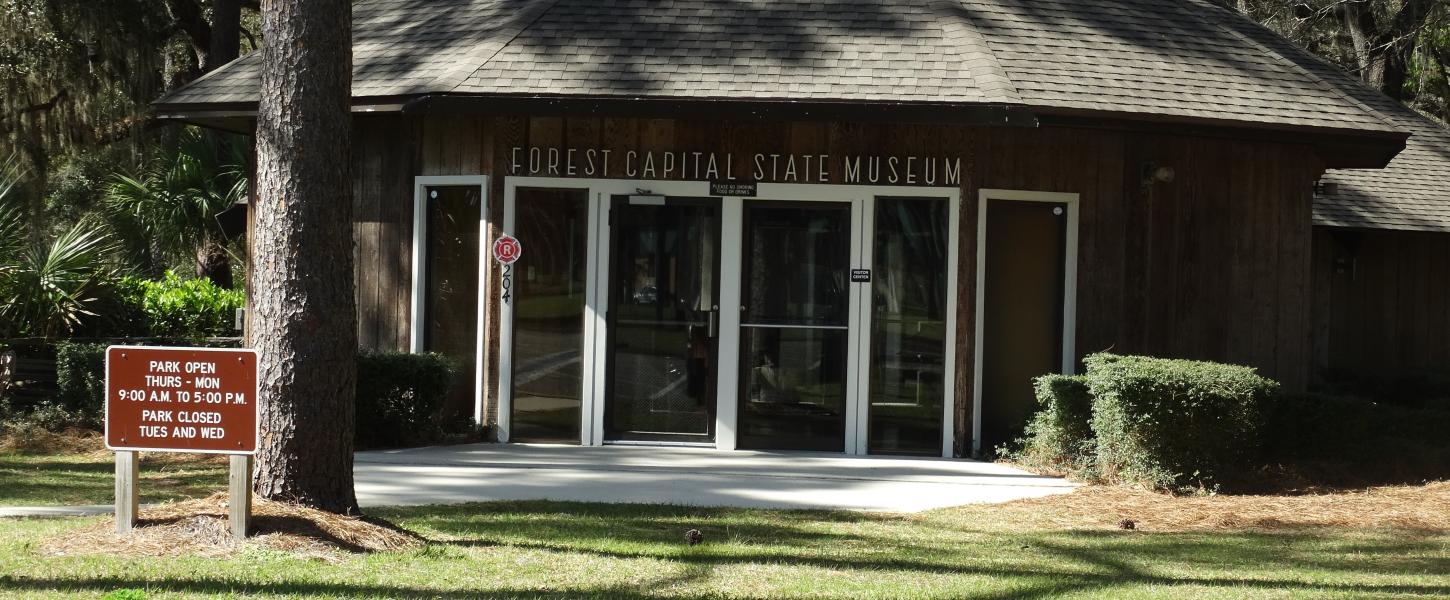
[[1069, 289], [420, 258], [600, 193]]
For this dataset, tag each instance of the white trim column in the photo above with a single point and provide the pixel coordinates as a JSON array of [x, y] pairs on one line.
[[727, 389]]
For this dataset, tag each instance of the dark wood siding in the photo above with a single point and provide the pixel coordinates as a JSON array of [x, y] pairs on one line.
[[384, 163], [1381, 302], [1214, 265]]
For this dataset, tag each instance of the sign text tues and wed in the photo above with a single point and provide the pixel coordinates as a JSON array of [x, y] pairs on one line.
[[715, 166]]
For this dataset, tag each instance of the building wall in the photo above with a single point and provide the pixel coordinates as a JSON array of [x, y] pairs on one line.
[[1214, 265], [1382, 302]]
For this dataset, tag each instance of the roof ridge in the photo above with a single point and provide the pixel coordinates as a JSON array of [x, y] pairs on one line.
[[1318, 80], [459, 73], [978, 53]]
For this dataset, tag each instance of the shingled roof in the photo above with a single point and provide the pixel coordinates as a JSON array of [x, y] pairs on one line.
[[1174, 58], [1412, 193], [1186, 60]]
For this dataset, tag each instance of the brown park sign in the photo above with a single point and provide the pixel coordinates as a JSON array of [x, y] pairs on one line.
[[181, 399]]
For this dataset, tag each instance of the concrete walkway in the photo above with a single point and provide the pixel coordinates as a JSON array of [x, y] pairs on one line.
[[669, 475], [689, 476]]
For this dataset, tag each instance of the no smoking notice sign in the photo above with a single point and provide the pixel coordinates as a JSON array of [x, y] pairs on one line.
[[181, 399]]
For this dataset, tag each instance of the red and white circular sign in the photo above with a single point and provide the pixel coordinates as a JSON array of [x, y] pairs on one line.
[[506, 249]]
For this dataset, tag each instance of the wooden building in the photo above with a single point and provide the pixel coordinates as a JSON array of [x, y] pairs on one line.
[[841, 225], [1382, 259]]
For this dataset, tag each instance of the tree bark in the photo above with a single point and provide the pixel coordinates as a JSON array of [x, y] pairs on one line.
[[304, 325], [188, 17], [1384, 52]]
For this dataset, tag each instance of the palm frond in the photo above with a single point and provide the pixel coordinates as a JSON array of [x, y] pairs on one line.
[[175, 201], [12, 222], [51, 287]]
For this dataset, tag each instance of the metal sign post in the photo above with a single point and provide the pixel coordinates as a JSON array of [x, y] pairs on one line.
[[200, 400]]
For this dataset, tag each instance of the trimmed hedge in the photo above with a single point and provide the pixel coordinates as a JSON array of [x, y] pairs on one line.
[[399, 396], [1059, 438], [1176, 425]]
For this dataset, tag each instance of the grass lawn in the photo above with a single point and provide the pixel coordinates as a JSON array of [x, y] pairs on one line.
[[33, 478], [563, 550], [1058, 547]]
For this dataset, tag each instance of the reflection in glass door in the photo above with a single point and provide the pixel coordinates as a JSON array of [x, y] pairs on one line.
[[548, 315], [663, 319], [908, 326], [794, 328], [450, 302]]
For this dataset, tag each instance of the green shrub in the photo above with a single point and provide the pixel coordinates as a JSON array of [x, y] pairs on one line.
[[175, 307], [398, 398], [1175, 425], [1059, 438], [80, 377]]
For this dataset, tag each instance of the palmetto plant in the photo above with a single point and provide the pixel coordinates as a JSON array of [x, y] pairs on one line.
[[12, 232], [47, 288], [175, 201]]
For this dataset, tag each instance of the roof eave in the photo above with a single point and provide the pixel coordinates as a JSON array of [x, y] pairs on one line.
[[1339, 148]]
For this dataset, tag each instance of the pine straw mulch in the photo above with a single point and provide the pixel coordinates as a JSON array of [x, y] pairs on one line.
[[34, 440], [199, 528], [1421, 508]]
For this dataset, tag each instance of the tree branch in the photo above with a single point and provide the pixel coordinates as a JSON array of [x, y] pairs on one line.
[[40, 107], [188, 17]]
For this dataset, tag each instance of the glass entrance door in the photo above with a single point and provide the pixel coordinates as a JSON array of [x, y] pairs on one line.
[[909, 326], [794, 327], [663, 319]]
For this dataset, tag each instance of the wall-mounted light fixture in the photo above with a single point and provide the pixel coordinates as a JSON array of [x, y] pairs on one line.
[[1325, 188]]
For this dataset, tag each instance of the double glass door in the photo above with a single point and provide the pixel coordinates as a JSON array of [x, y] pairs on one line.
[[807, 380], [819, 324]]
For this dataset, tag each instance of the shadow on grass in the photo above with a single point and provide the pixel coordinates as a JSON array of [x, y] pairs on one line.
[[1113, 572], [1093, 558], [231, 587], [43, 482], [1030, 563]]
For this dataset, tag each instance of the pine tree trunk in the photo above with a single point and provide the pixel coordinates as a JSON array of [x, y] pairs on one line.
[[305, 319], [226, 33]]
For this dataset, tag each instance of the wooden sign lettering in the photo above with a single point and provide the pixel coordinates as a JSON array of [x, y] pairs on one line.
[[181, 399]]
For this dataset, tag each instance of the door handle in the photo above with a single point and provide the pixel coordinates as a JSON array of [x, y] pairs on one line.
[[714, 323]]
